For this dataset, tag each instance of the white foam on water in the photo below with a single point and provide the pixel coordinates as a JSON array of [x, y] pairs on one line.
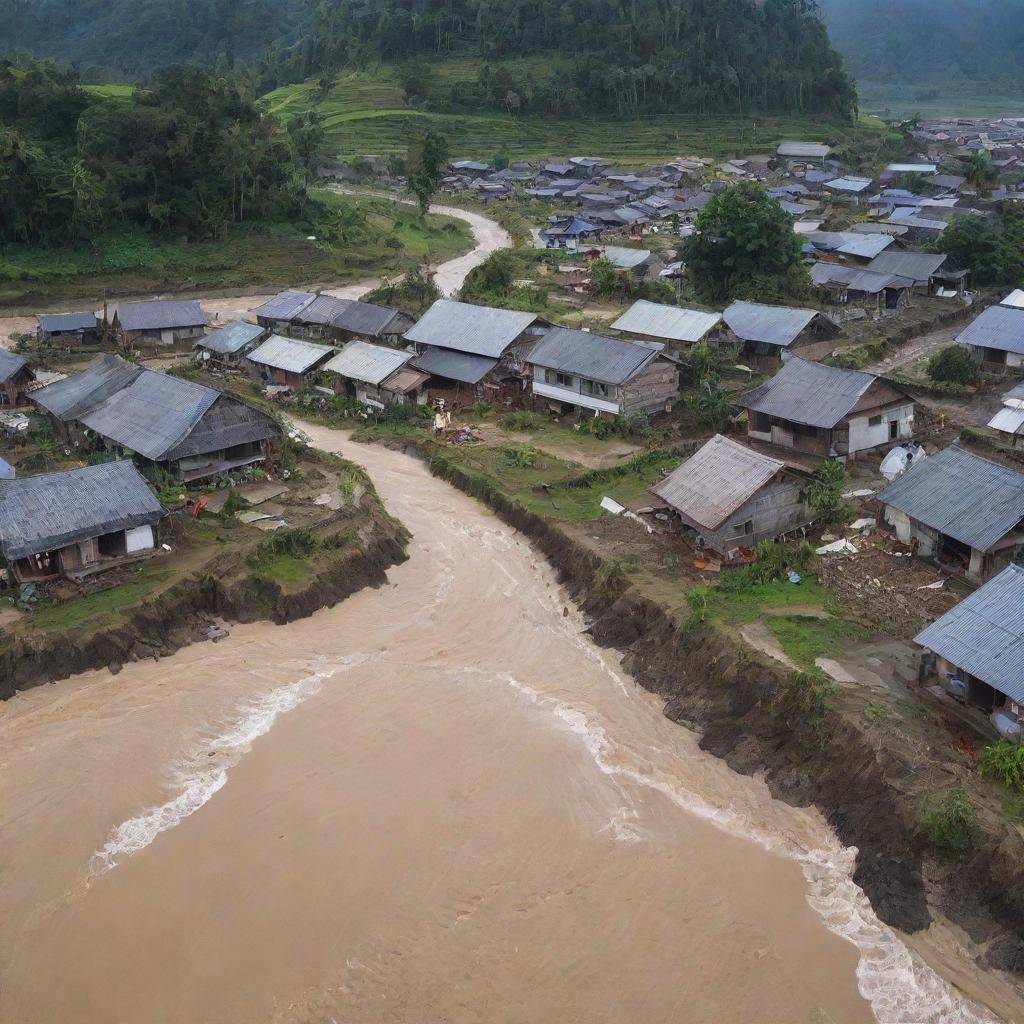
[[899, 986], [201, 775]]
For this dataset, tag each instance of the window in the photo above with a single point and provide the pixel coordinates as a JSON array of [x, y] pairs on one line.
[[593, 387], [875, 421], [743, 529], [563, 380], [761, 423]]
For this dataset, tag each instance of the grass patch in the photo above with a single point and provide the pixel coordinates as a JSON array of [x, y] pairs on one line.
[[806, 638], [736, 608]]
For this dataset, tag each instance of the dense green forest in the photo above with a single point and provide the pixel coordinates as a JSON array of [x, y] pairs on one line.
[[941, 43], [186, 157], [722, 56]]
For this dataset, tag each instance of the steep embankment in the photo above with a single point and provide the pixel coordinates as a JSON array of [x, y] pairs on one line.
[[759, 719]]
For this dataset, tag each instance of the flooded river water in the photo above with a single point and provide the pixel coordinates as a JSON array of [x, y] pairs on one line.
[[438, 801]]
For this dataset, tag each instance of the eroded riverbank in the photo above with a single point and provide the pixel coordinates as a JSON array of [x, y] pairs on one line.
[[438, 800]]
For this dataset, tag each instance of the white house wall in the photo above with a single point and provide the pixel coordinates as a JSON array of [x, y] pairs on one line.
[[864, 436]]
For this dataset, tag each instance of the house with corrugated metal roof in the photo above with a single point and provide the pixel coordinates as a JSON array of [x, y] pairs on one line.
[[826, 410], [977, 649], [229, 344], [921, 267], [288, 362], [368, 321], [996, 339], [278, 313], [963, 511], [316, 319], [377, 376], [673, 326], [77, 522], [599, 375], [474, 351], [1009, 420], [767, 334], [158, 322], [858, 285], [192, 431], [68, 330], [730, 498], [565, 233], [15, 378]]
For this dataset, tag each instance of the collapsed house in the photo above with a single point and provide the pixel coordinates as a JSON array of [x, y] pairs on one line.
[[978, 647], [577, 369], [1009, 420], [963, 511], [732, 498], [76, 522], [377, 376], [158, 322], [15, 378], [474, 351], [826, 410], [192, 431], [767, 334]]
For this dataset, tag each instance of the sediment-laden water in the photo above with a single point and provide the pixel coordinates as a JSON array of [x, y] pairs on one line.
[[438, 801]]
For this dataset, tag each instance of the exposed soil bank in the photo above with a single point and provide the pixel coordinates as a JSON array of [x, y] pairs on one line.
[[181, 615], [751, 714]]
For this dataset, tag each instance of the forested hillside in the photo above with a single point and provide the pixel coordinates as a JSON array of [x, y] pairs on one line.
[[722, 56], [930, 41]]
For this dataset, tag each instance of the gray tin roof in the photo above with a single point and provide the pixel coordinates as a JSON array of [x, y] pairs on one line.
[[284, 305], [851, 243], [999, 327], [322, 310], [42, 513], [371, 364], [460, 366], [50, 323], [591, 355], [964, 496], [370, 319], [806, 150], [69, 398], [290, 354], [716, 481], [917, 265], [772, 325], [160, 314], [478, 330], [10, 364], [856, 279], [984, 633], [231, 338], [625, 258], [810, 393], [671, 323]]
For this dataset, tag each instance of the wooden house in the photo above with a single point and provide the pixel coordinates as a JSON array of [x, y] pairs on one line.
[[768, 334], [602, 376], [288, 361], [163, 322], [229, 344], [68, 330], [996, 339], [15, 378], [963, 511], [676, 327], [826, 410], [474, 352], [77, 522], [977, 650], [730, 497], [278, 314], [368, 321], [192, 431], [377, 376], [857, 285]]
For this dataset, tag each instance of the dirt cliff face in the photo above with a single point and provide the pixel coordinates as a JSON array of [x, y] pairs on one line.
[[184, 613], [870, 792]]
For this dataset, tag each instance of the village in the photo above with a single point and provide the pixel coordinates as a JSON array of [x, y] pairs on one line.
[[711, 455]]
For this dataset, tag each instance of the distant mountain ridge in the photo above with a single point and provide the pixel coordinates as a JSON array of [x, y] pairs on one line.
[[606, 57]]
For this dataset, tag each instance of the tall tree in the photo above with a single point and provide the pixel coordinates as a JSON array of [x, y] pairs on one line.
[[428, 160]]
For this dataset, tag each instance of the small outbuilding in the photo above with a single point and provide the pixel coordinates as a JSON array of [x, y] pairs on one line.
[[288, 361], [68, 330], [732, 497], [965, 512], [826, 410], [577, 369], [15, 378], [77, 522], [377, 376], [229, 344]]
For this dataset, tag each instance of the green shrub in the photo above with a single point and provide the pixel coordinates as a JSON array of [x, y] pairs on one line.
[[521, 456], [520, 420], [824, 494], [947, 826], [1003, 761], [292, 543], [953, 364], [808, 694], [611, 577]]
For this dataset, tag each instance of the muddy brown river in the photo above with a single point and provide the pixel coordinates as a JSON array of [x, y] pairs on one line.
[[438, 801]]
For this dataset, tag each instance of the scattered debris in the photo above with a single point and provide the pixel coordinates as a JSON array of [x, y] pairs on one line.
[[837, 547]]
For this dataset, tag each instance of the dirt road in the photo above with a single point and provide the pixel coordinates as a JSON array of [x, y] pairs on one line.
[[917, 349]]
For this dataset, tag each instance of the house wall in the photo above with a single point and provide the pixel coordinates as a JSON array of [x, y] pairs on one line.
[[997, 361], [654, 389], [776, 509], [864, 435], [167, 336]]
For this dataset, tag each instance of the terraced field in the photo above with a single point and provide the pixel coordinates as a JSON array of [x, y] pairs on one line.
[[365, 114]]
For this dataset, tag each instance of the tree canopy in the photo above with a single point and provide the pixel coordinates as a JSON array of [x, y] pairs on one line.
[[993, 254], [187, 157], [744, 247]]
